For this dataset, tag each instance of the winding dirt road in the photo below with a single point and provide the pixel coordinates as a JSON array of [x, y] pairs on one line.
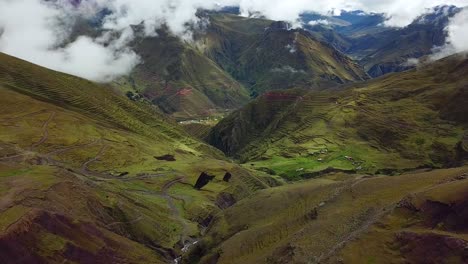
[[45, 131], [184, 237]]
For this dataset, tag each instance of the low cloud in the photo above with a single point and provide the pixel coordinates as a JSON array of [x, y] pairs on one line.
[[319, 22], [39, 30], [399, 13], [287, 69], [457, 37]]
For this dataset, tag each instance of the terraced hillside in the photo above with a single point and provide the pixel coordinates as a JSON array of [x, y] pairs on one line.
[[387, 125], [266, 55], [89, 176]]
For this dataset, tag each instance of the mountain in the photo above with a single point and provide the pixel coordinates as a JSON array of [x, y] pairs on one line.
[[181, 80], [380, 49], [231, 60], [390, 50], [348, 23], [90, 176], [360, 23], [403, 121], [266, 55], [173, 74]]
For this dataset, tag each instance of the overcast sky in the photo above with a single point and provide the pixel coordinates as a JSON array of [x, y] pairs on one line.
[[35, 29]]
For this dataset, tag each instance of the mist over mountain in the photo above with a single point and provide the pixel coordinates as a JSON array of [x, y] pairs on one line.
[[49, 24]]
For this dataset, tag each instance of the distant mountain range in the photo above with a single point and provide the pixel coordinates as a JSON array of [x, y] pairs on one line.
[[379, 49], [235, 58]]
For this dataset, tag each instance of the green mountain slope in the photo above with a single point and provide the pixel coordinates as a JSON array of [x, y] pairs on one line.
[[266, 55], [180, 80], [89, 176], [403, 121], [413, 218]]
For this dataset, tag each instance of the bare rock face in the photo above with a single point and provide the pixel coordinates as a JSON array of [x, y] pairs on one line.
[[203, 180]]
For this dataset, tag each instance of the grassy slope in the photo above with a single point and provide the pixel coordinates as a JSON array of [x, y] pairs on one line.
[[77, 155], [350, 219], [171, 66], [398, 122], [265, 56]]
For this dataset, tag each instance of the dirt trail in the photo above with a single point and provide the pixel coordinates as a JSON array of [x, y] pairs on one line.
[[16, 118], [138, 219], [13, 157], [175, 212], [356, 233], [66, 149], [184, 237], [84, 167], [45, 131]]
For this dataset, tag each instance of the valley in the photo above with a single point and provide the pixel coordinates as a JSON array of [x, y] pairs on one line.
[[240, 140]]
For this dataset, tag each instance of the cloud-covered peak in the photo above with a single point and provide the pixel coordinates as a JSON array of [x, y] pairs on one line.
[[43, 37]]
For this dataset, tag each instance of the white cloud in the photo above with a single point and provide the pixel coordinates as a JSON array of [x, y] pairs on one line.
[[287, 69], [458, 31], [319, 22], [457, 37], [399, 12], [37, 30]]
